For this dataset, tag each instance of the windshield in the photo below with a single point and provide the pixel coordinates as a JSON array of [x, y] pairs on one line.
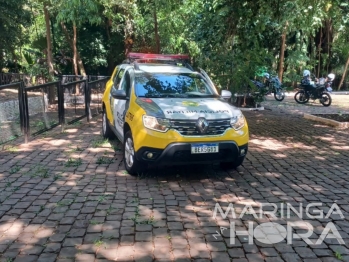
[[172, 85]]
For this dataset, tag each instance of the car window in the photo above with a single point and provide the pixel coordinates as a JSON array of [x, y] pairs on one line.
[[118, 78], [172, 85], [125, 84]]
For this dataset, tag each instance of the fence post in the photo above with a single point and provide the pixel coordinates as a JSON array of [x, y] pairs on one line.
[[26, 127], [87, 100], [60, 93], [21, 106]]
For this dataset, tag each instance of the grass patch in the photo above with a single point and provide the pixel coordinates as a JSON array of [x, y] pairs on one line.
[[42, 172], [73, 162], [104, 160], [102, 198], [56, 177], [64, 203], [100, 142], [94, 222], [12, 149], [338, 255], [8, 184], [15, 189], [14, 169], [98, 243], [74, 150]]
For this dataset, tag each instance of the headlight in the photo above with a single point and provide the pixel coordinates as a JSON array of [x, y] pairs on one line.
[[157, 124], [237, 122]]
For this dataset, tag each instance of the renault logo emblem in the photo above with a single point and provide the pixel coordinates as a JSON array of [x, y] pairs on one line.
[[202, 125]]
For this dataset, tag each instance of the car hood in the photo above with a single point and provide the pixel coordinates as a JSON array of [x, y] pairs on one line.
[[179, 108]]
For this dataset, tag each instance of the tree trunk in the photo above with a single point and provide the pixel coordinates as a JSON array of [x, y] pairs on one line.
[[110, 56], [75, 57], [49, 57], [80, 63], [329, 31], [319, 50], [157, 39], [1, 60], [344, 74], [282, 53]]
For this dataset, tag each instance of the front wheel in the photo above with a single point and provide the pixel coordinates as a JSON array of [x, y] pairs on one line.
[[132, 164], [106, 130], [279, 94], [325, 99], [301, 97]]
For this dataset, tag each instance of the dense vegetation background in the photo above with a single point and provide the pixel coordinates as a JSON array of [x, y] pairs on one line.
[[231, 39]]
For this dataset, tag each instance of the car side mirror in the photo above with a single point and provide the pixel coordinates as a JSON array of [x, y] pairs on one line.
[[226, 94], [119, 94]]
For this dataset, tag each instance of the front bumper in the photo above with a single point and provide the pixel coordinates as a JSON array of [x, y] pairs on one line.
[[180, 153]]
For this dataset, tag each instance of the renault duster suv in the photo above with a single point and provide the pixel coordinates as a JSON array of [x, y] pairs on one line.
[[164, 112]]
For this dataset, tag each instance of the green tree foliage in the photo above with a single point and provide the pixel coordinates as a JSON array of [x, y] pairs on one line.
[[14, 18], [230, 39]]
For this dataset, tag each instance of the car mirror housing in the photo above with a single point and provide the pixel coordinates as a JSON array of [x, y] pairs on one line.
[[119, 94], [226, 94]]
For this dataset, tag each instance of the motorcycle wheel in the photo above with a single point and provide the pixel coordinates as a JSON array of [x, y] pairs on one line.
[[279, 94], [325, 99], [301, 97]]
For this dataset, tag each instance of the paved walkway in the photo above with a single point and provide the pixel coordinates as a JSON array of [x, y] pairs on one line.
[[340, 104], [66, 197]]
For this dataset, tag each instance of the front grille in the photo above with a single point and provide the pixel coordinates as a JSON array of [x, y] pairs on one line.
[[188, 127]]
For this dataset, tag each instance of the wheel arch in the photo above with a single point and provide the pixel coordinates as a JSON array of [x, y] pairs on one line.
[[127, 128]]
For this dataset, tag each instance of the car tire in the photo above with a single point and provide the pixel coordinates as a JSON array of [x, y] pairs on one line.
[[132, 164], [234, 164], [106, 130]]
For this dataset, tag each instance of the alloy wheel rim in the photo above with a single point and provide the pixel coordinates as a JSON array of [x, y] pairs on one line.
[[129, 152]]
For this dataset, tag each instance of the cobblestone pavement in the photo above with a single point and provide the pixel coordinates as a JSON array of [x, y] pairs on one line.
[[66, 197], [340, 104]]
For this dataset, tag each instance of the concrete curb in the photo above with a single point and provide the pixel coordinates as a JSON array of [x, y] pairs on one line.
[[252, 109], [326, 121]]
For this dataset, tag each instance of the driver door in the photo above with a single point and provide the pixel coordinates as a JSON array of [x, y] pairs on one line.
[[119, 105]]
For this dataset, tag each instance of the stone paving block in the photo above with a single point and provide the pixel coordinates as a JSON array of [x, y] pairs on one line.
[[291, 257], [125, 253], [26, 258], [199, 253], [163, 253], [236, 252], [52, 248], [143, 236], [220, 257], [109, 254], [72, 242], [47, 257]]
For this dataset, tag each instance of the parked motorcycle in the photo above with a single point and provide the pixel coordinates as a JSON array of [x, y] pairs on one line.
[[315, 91], [274, 85]]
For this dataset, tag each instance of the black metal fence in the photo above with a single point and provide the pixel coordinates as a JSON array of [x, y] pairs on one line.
[[10, 78], [29, 111]]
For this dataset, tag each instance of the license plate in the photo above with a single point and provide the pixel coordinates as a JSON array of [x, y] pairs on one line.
[[204, 148]]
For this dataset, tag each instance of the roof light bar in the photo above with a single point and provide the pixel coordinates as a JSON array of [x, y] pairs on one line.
[[145, 56]]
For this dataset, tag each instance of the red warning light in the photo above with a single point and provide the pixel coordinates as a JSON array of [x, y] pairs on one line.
[[144, 56]]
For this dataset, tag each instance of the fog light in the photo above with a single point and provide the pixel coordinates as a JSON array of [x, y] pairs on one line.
[[242, 152], [150, 155]]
